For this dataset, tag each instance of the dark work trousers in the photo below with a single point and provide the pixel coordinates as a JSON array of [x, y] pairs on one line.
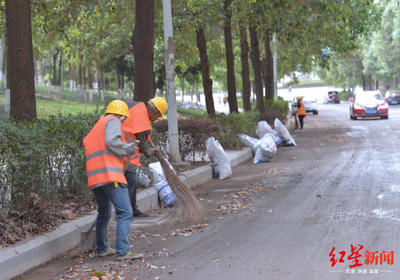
[[301, 120], [132, 185]]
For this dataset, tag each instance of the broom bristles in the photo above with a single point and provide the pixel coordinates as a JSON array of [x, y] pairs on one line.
[[188, 208]]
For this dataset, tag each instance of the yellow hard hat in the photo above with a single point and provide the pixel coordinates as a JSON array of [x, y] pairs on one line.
[[160, 104], [118, 107], [299, 98]]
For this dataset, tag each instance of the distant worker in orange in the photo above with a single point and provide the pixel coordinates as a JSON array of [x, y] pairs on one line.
[[105, 167], [138, 128], [301, 111]]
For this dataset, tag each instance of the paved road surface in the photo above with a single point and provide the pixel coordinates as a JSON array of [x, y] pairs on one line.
[[339, 187]]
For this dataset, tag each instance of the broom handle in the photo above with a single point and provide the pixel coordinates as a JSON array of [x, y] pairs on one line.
[[157, 153], [159, 156], [151, 142]]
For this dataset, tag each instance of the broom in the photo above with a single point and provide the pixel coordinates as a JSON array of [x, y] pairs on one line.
[[188, 209]]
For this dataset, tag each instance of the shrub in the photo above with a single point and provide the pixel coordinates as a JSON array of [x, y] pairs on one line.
[[279, 104], [43, 161], [229, 126], [270, 116], [192, 136]]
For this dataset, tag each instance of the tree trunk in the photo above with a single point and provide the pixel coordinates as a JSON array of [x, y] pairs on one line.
[[107, 84], [80, 82], [90, 77], [4, 69], [118, 75], [84, 78], [244, 55], [230, 60], [183, 88], [255, 58], [60, 63], [20, 60], [268, 68], [369, 82], [2, 58], [363, 81], [143, 50], [54, 79], [41, 72], [90, 83], [205, 70], [61, 73], [123, 82], [72, 77], [101, 84]]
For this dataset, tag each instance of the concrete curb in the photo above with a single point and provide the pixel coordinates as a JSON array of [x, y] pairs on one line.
[[41, 249]]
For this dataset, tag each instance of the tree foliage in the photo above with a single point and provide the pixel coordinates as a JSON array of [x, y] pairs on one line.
[[98, 33]]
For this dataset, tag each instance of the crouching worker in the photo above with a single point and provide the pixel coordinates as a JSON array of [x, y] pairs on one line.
[[138, 128], [104, 151]]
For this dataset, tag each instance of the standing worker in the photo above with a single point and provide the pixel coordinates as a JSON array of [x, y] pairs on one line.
[[104, 151], [301, 111], [138, 128]]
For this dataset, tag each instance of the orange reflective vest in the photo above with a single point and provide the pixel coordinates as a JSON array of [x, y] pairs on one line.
[[137, 122], [102, 165], [301, 110]]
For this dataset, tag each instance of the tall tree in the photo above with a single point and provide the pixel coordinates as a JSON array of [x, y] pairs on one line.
[[244, 58], [255, 59], [20, 60], [230, 60], [143, 50], [205, 69], [268, 68]]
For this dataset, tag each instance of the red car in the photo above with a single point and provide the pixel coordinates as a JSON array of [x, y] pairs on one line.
[[368, 104]]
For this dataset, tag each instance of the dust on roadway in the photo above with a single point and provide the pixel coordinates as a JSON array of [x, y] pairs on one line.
[[280, 220]]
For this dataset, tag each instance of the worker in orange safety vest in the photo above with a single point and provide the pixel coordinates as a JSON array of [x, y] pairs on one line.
[[105, 167], [138, 128], [301, 111]]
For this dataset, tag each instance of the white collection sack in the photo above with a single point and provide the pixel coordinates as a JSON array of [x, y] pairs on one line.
[[220, 161], [249, 141], [141, 178], [265, 149], [284, 133], [167, 197], [263, 128]]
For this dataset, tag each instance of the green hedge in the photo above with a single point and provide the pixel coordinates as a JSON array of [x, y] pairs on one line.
[[279, 104], [192, 136], [43, 160], [232, 125]]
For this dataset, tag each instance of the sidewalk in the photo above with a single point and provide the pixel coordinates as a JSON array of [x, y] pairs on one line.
[[17, 259]]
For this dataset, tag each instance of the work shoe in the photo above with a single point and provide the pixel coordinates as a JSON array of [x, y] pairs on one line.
[[139, 214], [110, 251], [130, 255]]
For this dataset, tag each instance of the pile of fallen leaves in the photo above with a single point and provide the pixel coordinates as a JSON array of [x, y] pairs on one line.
[[77, 273], [242, 200], [36, 218]]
